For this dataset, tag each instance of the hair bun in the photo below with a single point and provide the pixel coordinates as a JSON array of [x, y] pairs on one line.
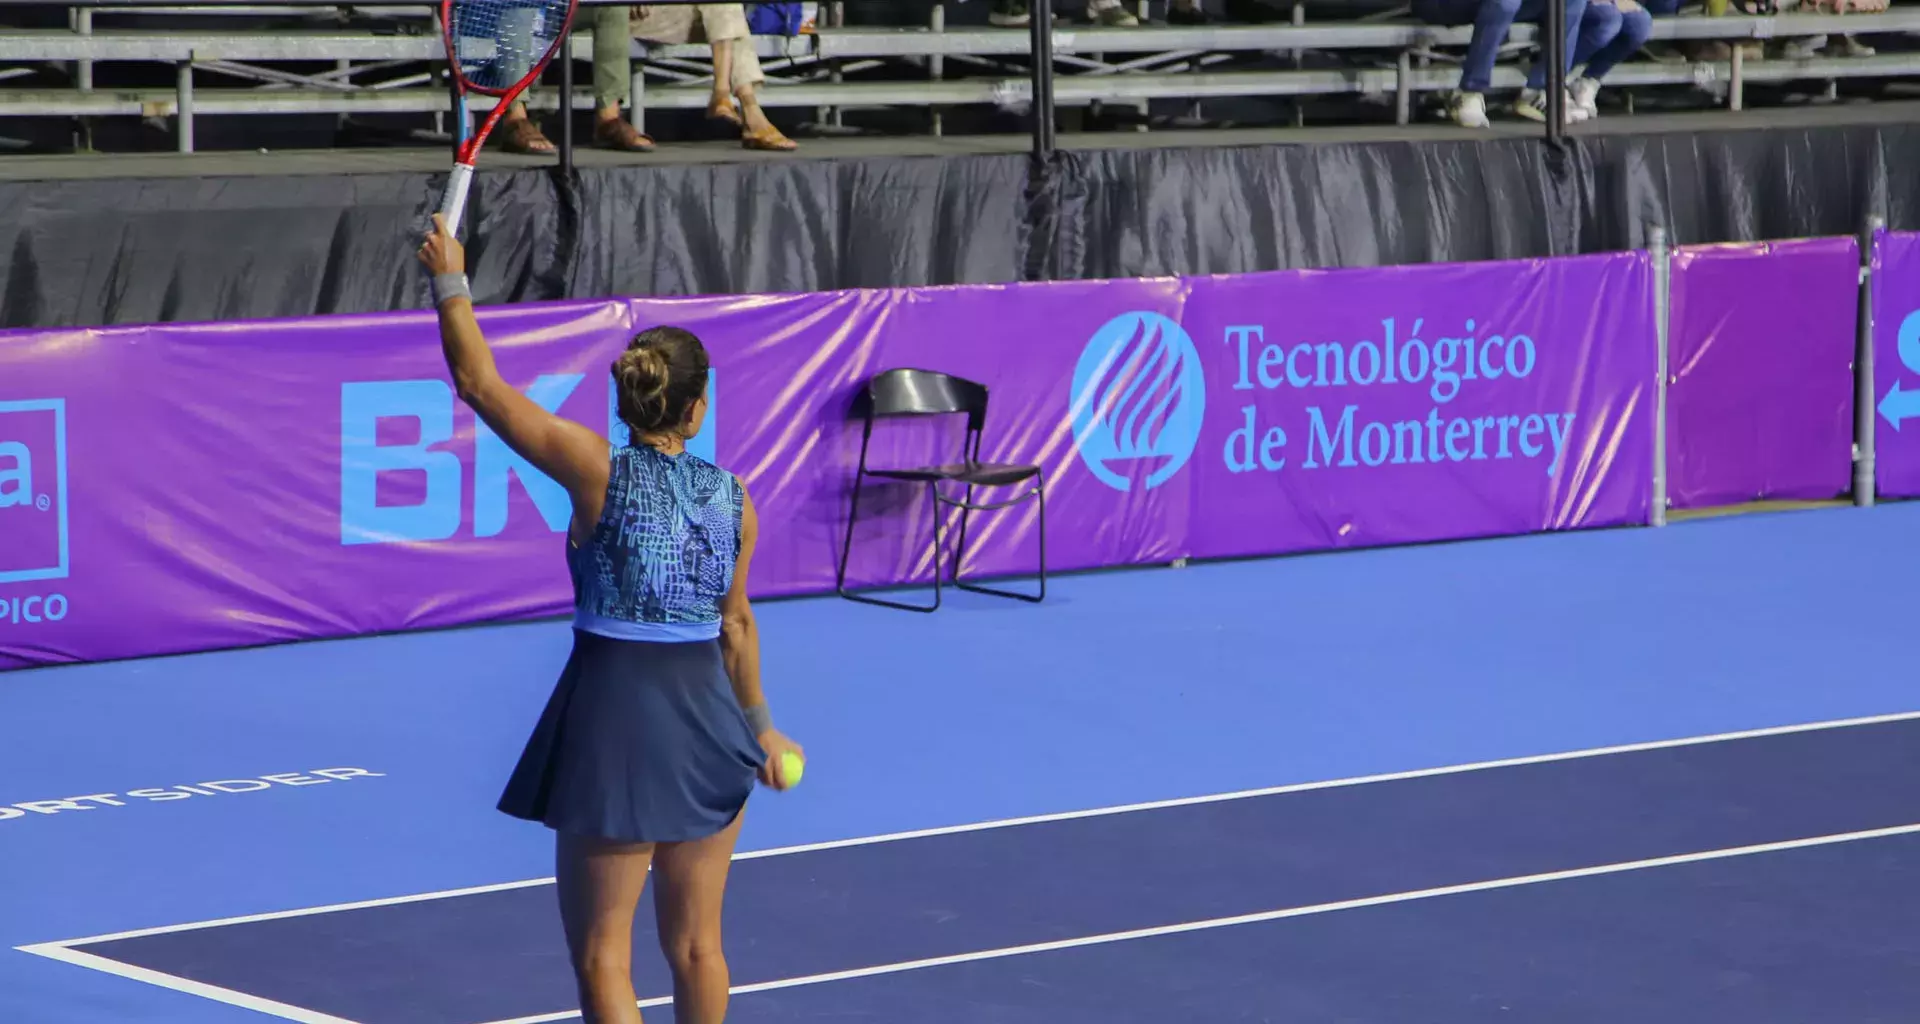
[[660, 377], [642, 371]]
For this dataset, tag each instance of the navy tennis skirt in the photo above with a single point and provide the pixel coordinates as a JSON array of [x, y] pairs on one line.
[[640, 743]]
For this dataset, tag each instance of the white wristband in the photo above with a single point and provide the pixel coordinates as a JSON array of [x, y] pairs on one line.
[[450, 286]]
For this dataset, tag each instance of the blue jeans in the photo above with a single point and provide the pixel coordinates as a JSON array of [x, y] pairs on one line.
[[1608, 35], [1490, 20]]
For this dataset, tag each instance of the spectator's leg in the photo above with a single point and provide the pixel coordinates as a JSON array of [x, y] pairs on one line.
[[516, 132], [720, 105], [1111, 14], [759, 133], [720, 25], [1533, 99], [613, 80], [1599, 28], [1603, 47], [1009, 14], [1805, 48], [1491, 20], [1633, 30], [1667, 51], [1186, 12]]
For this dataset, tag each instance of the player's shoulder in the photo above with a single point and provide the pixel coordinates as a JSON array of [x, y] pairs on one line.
[[713, 475]]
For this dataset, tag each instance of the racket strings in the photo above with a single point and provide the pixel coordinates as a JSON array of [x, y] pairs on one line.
[[496, 43]]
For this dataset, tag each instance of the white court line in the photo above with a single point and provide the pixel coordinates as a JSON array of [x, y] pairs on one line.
[[205, 991], [1276, 915], [64, 949], [1040, 819]]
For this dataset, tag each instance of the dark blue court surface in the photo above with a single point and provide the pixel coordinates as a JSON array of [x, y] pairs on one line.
[[1629, 778], [1823, 934], [794, 917]]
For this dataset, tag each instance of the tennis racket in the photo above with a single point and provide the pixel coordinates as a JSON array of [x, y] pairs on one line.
[[494, 48]]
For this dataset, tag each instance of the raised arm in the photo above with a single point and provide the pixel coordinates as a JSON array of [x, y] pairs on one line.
[[740, 650], [564, 450]]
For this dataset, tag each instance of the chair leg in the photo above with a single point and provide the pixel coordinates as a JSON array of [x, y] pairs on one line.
[[846, 550], [960, 551], [863, 598], [1040, 494]]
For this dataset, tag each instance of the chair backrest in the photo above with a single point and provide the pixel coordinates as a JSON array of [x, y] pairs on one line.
[[925, 393]]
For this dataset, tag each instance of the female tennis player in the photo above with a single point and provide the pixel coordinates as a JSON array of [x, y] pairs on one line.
[[642, 756]]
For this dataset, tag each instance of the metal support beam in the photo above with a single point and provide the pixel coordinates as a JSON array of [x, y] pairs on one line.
[[1864, 388], [183, 107], [1403, 88], [1556, 47], [1041, 32], [936, 69], [1661, 255], [565, 57]]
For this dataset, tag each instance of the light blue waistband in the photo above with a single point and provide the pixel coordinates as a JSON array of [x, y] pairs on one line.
[[650, 632]]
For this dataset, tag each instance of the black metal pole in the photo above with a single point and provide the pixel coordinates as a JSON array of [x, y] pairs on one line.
[[566, 101], [1041, 12], [1556, 71], [1040, 259]]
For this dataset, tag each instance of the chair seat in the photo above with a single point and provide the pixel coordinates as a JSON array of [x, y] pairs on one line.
[[979, 474]]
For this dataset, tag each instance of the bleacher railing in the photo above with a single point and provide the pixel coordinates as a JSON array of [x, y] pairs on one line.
[[1040, 43], [1165, 62]]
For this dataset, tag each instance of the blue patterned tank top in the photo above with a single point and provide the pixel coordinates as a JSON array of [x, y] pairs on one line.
[[661, 558]]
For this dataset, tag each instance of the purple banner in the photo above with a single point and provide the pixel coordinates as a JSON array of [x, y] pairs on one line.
[[179, 488], [224, 485], [1761, 342], [1896, 363]]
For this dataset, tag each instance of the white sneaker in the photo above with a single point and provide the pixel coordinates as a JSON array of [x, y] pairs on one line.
[[1804, 49], [1469, 110], [1532, 105], [1851, 47], [1584, 93], [1111, 15], [1009, 14]]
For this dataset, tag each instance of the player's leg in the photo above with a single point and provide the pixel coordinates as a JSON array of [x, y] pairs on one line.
[[690, 880], [600, 885]]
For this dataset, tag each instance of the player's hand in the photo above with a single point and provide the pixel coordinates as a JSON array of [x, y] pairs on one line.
[[442, 253], [775, 743]]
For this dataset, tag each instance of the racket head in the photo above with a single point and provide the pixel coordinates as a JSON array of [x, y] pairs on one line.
[[497, 47]]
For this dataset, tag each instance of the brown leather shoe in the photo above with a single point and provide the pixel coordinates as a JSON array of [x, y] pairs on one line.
[[523, 137], [722, 109], [769, 140], [616, 133]]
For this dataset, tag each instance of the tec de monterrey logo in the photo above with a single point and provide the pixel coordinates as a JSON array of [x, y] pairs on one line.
[[1900, 405], [1139, 397]]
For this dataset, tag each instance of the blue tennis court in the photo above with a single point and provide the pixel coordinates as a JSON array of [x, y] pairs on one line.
[[1650, 776]]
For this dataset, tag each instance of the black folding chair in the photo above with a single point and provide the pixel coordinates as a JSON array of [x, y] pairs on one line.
[[903, 393]]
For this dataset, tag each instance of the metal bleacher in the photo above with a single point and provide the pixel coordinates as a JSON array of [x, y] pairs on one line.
[[389, 66]]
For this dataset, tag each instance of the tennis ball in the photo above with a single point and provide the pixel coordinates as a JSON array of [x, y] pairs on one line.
[[791, 767]]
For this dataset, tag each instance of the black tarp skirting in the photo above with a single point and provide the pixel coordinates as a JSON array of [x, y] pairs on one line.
[[130, 250]]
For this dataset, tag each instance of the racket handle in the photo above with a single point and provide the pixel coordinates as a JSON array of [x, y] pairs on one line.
[[454, 203]]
